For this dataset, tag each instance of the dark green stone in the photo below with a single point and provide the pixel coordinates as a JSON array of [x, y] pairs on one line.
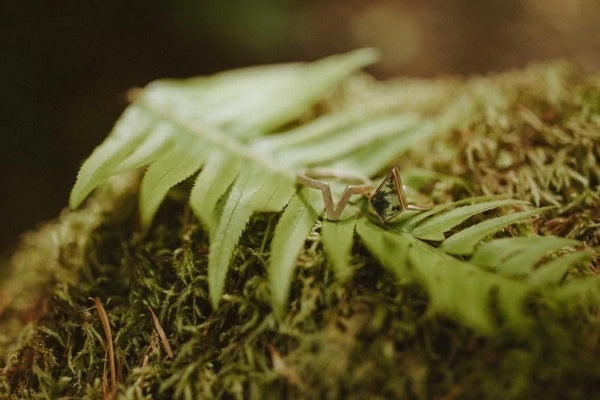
[[386, 200]]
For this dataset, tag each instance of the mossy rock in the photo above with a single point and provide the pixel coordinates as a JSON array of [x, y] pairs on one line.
[[535, 135]]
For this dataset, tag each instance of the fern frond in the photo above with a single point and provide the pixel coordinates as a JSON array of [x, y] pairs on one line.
[[413, 221], [337, 238], [174, 126], [330, 125], [455, 287], [159, 141], [470, 289], [248, 102], [174, 166], [254, 190], [390, 249], [224, 126], [215, 111], [383, 150], [336, 145], [553, 271], [435, 227], [290, 234], [218, 173], [464, 242], [518, 255], [129, 132]]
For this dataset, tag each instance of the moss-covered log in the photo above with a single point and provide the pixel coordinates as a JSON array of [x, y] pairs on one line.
[[532, 134]]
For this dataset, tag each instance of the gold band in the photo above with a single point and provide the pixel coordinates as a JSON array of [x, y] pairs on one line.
[[310, 178]]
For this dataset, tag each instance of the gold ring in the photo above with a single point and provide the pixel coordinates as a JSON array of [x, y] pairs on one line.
[[387, 201], [311, 178]]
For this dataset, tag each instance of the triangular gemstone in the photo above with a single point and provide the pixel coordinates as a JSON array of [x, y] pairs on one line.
[[389, 199]]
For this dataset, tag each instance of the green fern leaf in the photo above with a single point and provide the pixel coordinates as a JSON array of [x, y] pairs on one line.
[[236, 214], [171, 168], [464, 242], [382, 151], [390, 248], [219, 172], [579, 292], [337, 238], [254, 190], [248, 102], [553, 271], [158, 141], [174, 126], [329, 125], [518, 255], [319, 78], [455, 287], [185, 106], [461, 290], [409, 224], [131, 129], [290, 234], [435, 227], [338, 144]]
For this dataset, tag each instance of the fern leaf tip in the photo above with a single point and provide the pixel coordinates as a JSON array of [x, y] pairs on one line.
[[371, 55], [214, 300], [77, 195]]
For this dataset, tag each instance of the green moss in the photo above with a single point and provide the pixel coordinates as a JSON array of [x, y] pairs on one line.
[[535, 136]]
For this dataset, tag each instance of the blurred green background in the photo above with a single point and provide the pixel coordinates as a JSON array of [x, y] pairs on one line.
[[65, 65]]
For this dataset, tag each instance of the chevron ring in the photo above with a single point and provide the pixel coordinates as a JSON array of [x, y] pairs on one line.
[[311, 178], [387, 201]]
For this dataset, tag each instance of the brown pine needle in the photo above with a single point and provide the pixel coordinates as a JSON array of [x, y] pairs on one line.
[[161, 333], [145, 355], [105, 390], [114, 385]]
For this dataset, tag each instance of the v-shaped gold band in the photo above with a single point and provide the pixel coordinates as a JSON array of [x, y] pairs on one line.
[[333, 211]]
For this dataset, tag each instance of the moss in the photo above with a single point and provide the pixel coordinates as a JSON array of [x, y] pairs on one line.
[[534, 136]]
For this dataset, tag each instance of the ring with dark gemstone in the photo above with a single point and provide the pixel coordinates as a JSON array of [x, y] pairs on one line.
[[387, 201], [313, 178]]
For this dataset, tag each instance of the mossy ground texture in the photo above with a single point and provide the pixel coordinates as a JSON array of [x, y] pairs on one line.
[[535, 136]]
